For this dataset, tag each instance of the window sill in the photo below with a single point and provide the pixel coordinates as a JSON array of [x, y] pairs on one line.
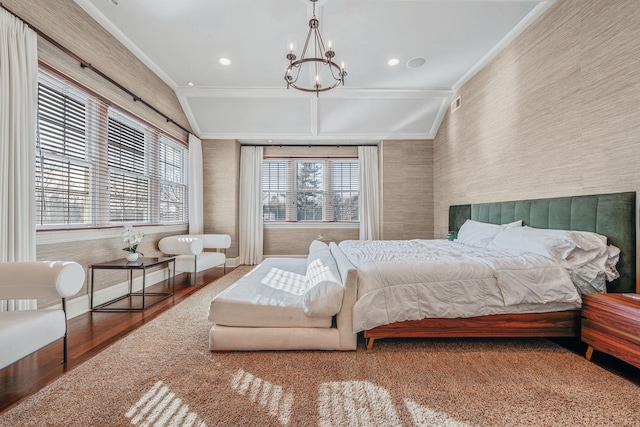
[[44, 237]]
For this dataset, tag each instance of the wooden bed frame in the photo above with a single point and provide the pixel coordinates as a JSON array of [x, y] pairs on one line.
[[613, 215]]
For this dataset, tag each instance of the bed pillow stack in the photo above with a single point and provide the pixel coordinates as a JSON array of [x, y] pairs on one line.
[[324, 287], [572, 248], [586, 255]]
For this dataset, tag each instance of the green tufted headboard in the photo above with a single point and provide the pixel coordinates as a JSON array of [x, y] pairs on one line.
[[612, 215]]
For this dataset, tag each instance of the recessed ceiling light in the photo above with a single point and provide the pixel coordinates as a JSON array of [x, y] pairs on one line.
[[393, 62], [189, 83], [224, 61], [416, 62]]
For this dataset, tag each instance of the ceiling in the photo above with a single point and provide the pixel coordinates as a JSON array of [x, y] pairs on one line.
[[182, 41]]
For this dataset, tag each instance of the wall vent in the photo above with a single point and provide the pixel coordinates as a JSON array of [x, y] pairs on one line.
[[457, 103]]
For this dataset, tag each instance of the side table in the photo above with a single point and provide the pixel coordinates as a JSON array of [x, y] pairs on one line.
[[611, 324], [142, 264]]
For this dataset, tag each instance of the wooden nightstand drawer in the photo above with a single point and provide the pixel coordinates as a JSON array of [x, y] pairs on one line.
[[611, 324]]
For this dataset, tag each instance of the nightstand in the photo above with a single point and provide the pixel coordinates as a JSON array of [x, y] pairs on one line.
[[611, 324]]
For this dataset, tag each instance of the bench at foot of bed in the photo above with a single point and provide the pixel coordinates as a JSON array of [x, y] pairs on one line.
[[288, 304]]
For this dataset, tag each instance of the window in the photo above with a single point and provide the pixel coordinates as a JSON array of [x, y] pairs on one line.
[[62, 167], [128, 179], [96, 166], [298, 190], [173, 183]]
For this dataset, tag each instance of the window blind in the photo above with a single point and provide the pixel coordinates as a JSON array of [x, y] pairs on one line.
[[62, 166], [173, 185], [345, 190], [97, 166], [277, 190]]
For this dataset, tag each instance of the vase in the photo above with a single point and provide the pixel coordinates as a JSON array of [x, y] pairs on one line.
[[132, 256]]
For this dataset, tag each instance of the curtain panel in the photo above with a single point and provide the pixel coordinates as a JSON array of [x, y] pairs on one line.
[[369, 193], [196, 195], [251, 227], [18, 100]]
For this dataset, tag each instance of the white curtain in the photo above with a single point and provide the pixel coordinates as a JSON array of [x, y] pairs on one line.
[[18, 100], [369, 193], [251, 250], [196, 215]]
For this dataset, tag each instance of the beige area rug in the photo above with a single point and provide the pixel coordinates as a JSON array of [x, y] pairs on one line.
[[164, 374]]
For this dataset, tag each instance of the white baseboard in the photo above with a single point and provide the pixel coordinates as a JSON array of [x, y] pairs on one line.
[[233, 262]]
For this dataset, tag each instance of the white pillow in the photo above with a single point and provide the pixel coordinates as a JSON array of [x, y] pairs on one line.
[[554, 244], [588, 240], [591, 249], [594, 252], [480, 234], [324, 293]]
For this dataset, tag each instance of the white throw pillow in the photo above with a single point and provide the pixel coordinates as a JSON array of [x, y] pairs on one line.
[[554, 244], [325, 291], [591, 249], [480, 234]]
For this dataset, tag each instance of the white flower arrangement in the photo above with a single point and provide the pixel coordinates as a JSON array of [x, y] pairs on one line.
[[132, 239]]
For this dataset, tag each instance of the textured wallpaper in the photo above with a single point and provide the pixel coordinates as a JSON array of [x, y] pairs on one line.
[[557, 113]]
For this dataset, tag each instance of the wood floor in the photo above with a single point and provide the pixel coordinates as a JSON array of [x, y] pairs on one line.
[[88, 334], [91, 333]]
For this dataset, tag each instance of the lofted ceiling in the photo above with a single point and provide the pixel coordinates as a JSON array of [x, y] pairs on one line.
[[182, 41]]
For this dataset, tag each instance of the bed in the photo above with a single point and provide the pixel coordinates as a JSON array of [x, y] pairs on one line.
[[610, 215]]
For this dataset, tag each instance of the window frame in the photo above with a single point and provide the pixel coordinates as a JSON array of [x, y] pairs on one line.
[[98, 113], [135, 177], [182, 182], [42, 154], [291, 191]]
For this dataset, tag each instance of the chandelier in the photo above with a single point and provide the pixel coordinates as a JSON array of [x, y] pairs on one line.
[[324, 73]]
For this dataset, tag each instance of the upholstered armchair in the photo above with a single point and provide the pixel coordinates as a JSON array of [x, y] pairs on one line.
[[197, 252], [23, 332]]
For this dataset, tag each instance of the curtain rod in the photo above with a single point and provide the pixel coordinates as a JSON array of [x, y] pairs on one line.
[[84, 64], [308, 145], [312, 156]]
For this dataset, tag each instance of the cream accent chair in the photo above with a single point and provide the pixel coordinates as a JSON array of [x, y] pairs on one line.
[[191, 254], [23, 332]]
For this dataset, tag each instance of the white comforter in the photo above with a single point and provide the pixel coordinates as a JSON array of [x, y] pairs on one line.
[[414, 279]]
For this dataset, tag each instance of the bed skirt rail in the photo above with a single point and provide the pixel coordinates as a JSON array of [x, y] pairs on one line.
[[554, 324]]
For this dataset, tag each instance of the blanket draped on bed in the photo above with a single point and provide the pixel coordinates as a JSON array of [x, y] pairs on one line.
[[402, 280]]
